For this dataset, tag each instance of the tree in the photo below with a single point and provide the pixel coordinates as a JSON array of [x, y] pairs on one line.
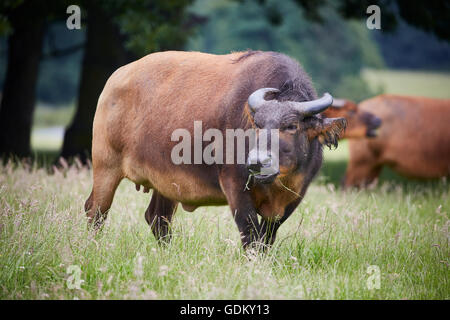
[[17, 104], [114, 29], [410, 48], [26, 22], [431, 16], [104, 52], [116, 34]]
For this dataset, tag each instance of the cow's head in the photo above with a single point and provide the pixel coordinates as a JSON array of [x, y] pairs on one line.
[[360, 123], [297, 125]]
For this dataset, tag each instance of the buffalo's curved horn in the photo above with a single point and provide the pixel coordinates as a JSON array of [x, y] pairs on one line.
[[312, 107], [256, 99]]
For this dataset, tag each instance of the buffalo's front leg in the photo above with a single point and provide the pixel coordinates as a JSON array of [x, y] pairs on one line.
[[242, 208], [269, 228], [247, 222]]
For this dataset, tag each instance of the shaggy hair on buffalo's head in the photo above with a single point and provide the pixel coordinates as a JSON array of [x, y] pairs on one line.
[[292, 85]]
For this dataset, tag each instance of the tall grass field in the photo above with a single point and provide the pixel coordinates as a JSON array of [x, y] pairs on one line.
[[399, 233], [387, 242]]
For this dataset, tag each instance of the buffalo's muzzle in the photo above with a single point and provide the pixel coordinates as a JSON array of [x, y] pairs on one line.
[[262, 166]]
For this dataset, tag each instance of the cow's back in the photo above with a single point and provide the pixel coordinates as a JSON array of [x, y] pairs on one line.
[[166, 89]]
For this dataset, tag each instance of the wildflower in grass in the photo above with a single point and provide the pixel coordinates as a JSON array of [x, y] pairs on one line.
[[149, 295], [138, 269], [163, 270]]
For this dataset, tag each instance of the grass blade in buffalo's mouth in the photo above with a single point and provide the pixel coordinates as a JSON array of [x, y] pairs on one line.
[[255, 174], [250, 175]]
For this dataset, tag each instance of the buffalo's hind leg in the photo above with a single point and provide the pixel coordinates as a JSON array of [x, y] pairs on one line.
[[159, 215], [101, 197]]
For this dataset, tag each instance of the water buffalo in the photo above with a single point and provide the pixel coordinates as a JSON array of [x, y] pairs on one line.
[[360, 124], [413, 140], [144, 102]]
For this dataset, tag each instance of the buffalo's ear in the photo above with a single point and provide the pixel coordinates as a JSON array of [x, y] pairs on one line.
[[328, 131]]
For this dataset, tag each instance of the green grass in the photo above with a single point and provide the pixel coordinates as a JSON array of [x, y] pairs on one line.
[[414, 83], [322, 251], [44, 143], [47, 116]]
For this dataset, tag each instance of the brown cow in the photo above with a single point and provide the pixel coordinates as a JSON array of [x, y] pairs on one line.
[[360, 124], [413, 140], [144, 102]]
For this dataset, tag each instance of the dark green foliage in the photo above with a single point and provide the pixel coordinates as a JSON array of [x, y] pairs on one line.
[[155, 25], [60, 73], [332, 52], [59, 83], [147, 26], [430, 16], [410, 48]]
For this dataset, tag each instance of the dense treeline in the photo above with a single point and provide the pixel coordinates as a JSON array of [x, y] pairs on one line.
[[410, 48], [115, 32], [332, 52]]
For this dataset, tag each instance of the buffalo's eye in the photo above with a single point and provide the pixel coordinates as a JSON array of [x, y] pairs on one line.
[[292, 127]]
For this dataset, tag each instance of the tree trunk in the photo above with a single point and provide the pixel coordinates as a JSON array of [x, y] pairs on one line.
[[19, 91], [103, 54]]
